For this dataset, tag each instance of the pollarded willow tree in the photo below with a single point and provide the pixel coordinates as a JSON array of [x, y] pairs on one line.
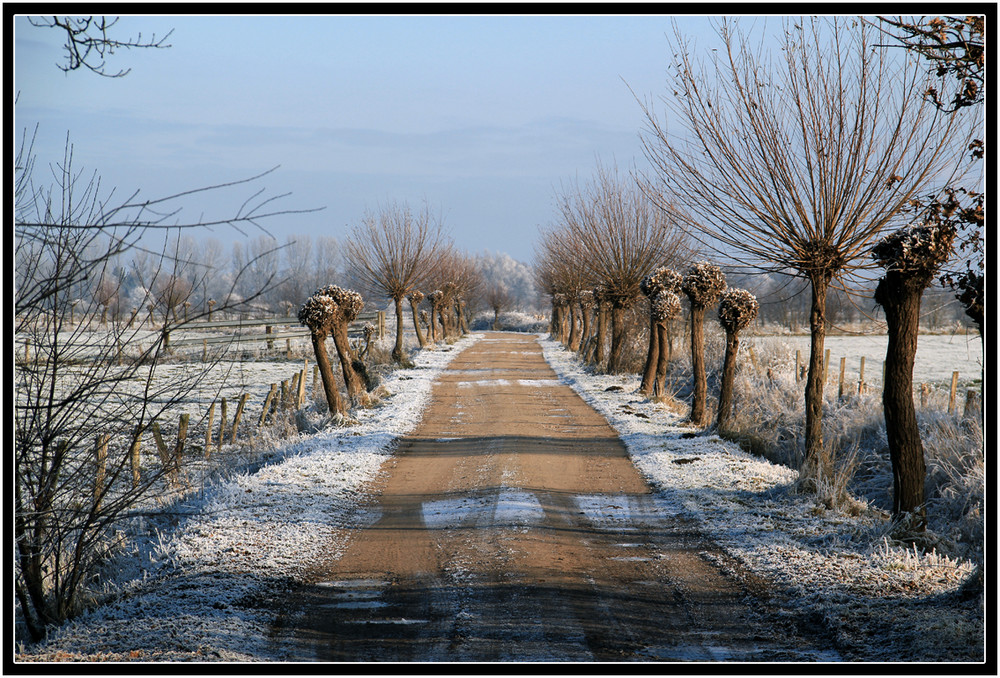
[[661, 280], [799, 160], [737, 309], [703, 284], [317, 313], [911, 257], [393, 253], [619, 236]]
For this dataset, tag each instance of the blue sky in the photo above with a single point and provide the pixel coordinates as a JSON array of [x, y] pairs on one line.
[[482, 117]]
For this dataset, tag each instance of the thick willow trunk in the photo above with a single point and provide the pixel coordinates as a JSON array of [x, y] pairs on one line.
[[574, 329], [416, 325], [355, 387], [652, 357], [333, 399], [728, 376], [700, 390], [900, 298], [585, 332], [397, 350], [817, 466], [599, 334], [616, 357]]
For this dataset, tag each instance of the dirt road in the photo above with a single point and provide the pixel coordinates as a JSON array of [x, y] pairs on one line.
[[513, 527]]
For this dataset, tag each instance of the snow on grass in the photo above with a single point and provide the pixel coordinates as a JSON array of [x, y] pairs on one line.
[[210, 585], [839, 566]]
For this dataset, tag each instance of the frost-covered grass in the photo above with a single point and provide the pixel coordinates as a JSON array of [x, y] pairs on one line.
[[882, 600], [200, 582]]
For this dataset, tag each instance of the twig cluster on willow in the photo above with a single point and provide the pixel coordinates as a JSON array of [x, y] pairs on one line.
[[655, 287], [911, 258], [737, 309], [328, 313], [415, 297], [800, 166], [703, 284]]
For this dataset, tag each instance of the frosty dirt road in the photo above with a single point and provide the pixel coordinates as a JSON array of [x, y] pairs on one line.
[[512, 526]]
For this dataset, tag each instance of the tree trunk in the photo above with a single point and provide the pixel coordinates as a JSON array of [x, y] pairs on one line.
[[616, 356], [602, 330], [333, 400], [416, 325], [900, 298], [574, 329], [700, 391], [652, 358], [663, 353], [355, 387], [817, 465], [728, 376], [432, 324], [397, 350], [585, 333]]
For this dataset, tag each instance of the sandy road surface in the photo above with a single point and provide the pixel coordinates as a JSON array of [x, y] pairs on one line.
[[511, 526]]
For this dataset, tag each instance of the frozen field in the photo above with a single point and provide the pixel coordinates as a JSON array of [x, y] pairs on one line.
[[937, 355]]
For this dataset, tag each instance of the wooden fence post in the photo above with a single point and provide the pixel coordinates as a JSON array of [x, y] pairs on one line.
[[270, 342], [971, 404], [315, 380], [300, 397], [238, 415], [133, 453], [840, 389], [182, 430], [164, 454], [208, 430], [223, 422], [101, 460], [288, 348], [861, 377], [951, 396], [267, 405], [798, 364], [283, 400], [293, 393], [925, 392]]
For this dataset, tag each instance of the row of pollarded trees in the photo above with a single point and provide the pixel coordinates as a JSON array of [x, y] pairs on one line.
[[807, 167], [393, 254], [592, 262]]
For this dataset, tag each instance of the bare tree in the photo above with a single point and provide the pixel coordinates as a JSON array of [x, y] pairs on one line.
[[77, 386], [499, 299], [393, 253], [798, 167], [89, 39]]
